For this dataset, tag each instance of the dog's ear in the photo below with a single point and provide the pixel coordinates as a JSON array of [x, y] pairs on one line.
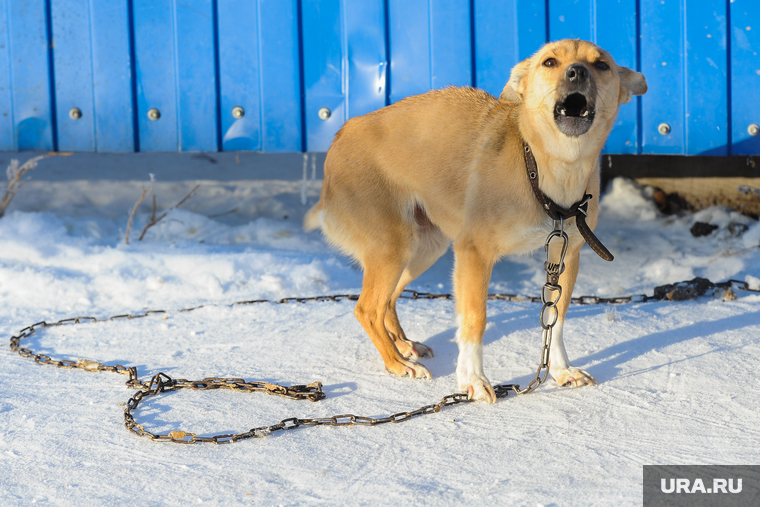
[[515, 87], [631, 83]]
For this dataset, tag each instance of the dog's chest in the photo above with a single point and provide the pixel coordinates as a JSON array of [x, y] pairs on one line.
[[533, 237]]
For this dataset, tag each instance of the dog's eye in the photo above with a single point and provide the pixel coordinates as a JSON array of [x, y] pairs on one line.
[[601, 65], [550, 62]]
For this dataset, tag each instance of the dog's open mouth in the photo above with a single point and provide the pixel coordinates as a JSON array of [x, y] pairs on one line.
[[574, 115]]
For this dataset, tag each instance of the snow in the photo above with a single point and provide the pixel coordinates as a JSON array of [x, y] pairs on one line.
[[676, 380]]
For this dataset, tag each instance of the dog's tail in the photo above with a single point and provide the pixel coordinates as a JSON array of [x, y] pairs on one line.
[[313, 218]]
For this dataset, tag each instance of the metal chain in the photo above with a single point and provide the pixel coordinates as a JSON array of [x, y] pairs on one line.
[[549, 309], [162, 383]]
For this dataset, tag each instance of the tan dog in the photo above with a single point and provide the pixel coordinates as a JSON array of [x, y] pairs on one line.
[[405, 181]]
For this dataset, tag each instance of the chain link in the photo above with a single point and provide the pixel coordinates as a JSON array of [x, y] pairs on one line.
[[162, 383], [551, 288]]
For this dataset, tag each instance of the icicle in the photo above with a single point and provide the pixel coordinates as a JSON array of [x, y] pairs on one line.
[[314, 167], [303, 183]]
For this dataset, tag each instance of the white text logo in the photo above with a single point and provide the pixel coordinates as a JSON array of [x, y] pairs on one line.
[[685, 486]]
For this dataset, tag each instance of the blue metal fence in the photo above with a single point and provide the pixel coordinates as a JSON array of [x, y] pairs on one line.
[[284, 75]]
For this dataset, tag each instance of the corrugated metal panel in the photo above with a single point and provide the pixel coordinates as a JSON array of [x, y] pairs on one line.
[[409, 43], [687, 75], [662, 64], [176, 75], [280, 55], [706, 118], [430, 45], [27, 98], [364, 29], [156, 76], [282, 61], [344, 64], [259, 71], [506, 32], [240, 75], [323, 70], [6, 86], [620, 39], [73, 76], [92, 75], [112, 76], [745, 75], [450, 43]]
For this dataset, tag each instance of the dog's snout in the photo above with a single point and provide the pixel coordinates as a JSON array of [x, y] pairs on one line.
[[577, 74]]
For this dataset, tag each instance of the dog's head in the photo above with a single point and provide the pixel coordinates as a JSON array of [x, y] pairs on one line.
[[574, 86]]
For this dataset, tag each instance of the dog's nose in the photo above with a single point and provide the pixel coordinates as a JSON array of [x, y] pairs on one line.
[[577, 74]]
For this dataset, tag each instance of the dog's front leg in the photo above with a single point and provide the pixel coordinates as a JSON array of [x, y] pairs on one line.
[[559, 365], [472, 272]]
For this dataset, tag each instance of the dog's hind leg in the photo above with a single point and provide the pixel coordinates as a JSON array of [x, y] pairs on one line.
[[381, 275], [431, 244]]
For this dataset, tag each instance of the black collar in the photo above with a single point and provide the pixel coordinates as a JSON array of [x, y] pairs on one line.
[[579, 210]]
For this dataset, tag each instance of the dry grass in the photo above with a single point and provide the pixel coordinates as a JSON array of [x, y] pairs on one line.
[[153, 218], [145, 192], [16, 172]]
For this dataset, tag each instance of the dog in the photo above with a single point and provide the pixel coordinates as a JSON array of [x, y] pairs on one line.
[[403, 183]]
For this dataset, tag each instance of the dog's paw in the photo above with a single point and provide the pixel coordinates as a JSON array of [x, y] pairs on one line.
[[478, 388], [413, 350], [572, 377], [407, 368]]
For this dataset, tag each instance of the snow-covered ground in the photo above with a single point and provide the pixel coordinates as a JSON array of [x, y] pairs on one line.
[[677, 381]]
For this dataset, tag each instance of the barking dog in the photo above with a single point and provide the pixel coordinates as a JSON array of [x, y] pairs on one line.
[[404, 182]]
